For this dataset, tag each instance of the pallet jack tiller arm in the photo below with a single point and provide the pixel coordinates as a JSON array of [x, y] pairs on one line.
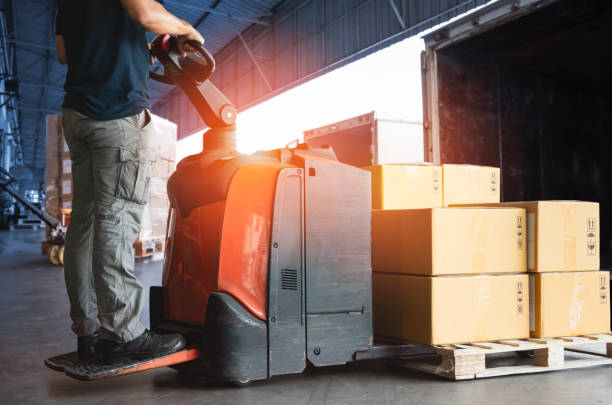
[[191, 74]]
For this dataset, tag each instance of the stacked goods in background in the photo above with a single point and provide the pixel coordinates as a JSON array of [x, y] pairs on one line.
[[442, 274], [58, 180], [569, 296], [58, 169], [155, 214]]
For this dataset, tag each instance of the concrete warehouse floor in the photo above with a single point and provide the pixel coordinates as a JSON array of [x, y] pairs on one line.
[[35, 325]]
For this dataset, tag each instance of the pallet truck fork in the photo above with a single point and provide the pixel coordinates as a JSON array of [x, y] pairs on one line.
[[267, 264]]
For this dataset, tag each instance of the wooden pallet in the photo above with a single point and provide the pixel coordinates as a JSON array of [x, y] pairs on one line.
[[477, 360], [148, 248]]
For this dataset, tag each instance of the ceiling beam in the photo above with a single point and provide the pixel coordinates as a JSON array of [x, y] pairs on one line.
[[42, 85], [400, 20], [257, 66], [28, 44], [35, 109], [214, 11]]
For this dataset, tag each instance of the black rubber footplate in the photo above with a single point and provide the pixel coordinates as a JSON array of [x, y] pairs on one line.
[[70, 364]]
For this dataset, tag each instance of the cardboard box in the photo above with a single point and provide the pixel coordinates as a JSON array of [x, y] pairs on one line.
[[439, 241], [561, 235], [451, 309], [465, 184], [406, 186], [66, 186], [163, 169], [166, 135], [569, 304]]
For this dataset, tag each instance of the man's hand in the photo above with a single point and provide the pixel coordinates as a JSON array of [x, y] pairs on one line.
[[60, 50], [183, 45]]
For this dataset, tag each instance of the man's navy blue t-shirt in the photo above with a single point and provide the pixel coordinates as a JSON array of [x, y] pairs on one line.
[[108, 59]]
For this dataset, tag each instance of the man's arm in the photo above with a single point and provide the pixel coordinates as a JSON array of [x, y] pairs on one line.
[[60, 49], [154, 18]]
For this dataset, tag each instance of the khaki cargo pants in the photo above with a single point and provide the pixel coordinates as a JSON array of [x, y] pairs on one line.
[[111, 169]]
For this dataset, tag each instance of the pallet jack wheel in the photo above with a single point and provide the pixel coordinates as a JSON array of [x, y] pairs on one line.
[[60, 255], [54, 255], [242, 384]]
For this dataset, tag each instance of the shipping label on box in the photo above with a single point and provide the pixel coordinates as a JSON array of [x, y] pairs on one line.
[[569, 303], [561, 235], [405, 186], [450, 309], [465, 184], [441, 241]]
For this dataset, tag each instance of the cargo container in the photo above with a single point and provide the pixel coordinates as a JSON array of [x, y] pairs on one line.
[[368, 140], [526, 86]]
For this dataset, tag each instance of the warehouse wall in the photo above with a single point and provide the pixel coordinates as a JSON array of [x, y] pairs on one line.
[[307, 39]]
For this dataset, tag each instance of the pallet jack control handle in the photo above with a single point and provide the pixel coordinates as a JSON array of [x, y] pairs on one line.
[[191, 74]]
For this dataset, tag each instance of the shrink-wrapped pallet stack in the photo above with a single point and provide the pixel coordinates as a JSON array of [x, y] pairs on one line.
[[58, 180]]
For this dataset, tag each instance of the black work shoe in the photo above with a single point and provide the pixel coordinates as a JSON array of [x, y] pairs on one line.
[[86, 346], [146, 346]]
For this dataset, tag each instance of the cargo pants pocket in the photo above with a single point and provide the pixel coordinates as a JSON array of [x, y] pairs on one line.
[[134, 177]]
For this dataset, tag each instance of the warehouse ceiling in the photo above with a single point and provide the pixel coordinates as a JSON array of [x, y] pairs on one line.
[[31, 25], [263, 47]]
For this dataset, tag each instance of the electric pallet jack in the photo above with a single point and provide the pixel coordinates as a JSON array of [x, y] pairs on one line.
[[267, 262]]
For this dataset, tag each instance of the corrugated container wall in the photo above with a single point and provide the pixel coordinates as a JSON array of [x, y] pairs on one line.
[[305, 40]]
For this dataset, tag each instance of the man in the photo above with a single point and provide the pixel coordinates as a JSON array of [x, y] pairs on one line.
[[106, 121]]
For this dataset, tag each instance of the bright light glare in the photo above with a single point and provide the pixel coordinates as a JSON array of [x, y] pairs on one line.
[[387, 82], [189, 145]]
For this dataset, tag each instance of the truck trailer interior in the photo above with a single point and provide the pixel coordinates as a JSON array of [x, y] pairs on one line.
[[528, 89]]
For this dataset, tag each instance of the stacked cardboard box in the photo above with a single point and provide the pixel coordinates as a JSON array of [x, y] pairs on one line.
[[155, 213], [569, 295], [425, 185], [403, 186], [58, 169], [466, 184], [58, 175], [446, 275]]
